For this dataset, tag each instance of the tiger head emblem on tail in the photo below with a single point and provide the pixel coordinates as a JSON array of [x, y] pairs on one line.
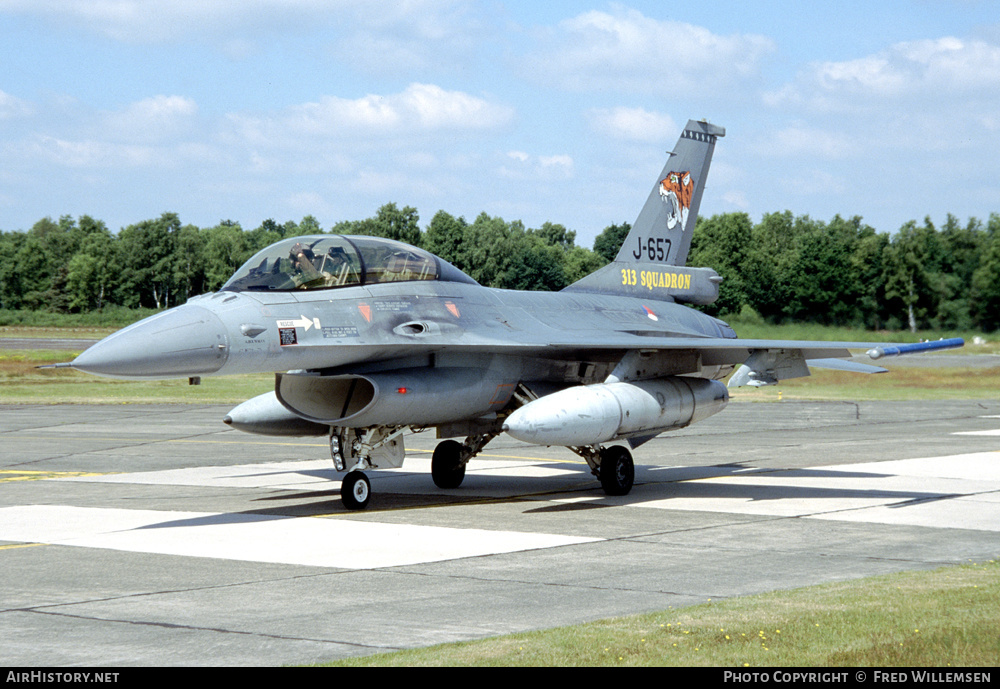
[[676, 190]]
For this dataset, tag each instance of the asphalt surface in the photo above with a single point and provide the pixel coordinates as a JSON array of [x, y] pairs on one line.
[[75, 345], [155, 535]]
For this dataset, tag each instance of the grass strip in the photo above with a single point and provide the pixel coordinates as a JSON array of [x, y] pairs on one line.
[[940, 618], [21, 382]]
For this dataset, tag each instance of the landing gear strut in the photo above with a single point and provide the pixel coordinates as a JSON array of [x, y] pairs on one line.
[[613, 466], [357, 449]]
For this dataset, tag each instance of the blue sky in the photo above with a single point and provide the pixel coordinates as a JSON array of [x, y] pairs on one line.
[[555, 111]]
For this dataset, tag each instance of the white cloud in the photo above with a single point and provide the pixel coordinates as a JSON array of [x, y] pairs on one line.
[[736, 199], [384, 39], [150, 21], [875, 122], [625, 51], [524, 166], [436, 108], [377, 36], [419, 109], [632, 124], [989, 121], [91, 153], [392, 184], [11, 107], [903, 73], [152, 119], [799, 140], [304, 203], [820, 183], [556, 162]]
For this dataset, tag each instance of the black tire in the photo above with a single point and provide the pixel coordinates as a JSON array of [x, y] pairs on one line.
[[617, 470], [447, 468], [355, 491]]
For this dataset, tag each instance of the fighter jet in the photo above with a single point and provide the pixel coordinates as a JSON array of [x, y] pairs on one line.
[[370, 338]]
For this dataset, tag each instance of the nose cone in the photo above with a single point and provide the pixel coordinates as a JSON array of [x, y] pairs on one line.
[[184, 341]]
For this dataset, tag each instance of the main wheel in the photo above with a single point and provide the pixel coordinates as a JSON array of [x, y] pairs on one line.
[[617, 470], [447, 468], [355, 491]]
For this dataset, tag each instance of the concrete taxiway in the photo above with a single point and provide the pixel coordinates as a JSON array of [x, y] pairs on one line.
[[155, 535]]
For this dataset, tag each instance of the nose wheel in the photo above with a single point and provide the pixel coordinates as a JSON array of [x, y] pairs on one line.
[[355, 491]]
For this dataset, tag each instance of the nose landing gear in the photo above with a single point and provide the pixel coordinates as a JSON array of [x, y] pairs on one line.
[[355, 490], [356, 449]]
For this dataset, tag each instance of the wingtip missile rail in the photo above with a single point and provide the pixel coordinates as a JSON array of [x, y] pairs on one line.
[[897, 350]]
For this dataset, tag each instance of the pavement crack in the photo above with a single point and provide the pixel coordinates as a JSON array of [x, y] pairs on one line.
[[217, 630]]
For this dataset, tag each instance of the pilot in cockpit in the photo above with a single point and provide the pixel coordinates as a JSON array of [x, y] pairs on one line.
[[336, 267], [331, 269], [305, 271]]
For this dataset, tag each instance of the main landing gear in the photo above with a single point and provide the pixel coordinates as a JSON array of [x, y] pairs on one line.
[[355, 450], [613, 466], [447, 467], [617, 471], [450, 457]]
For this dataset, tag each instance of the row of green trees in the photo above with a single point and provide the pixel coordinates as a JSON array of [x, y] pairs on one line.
[[785, 268], [78, 265], [843, 272]]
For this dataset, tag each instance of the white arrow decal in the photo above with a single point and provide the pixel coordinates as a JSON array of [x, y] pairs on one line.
[[301, 322]]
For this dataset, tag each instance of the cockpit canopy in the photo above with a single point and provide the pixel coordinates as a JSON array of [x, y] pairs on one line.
[[332, 261]]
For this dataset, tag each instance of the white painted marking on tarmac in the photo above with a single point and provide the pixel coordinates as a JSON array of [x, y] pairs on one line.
[[319, 475], [973, 466], [962, 512], [310, 541], [995, 431], [296, 475], [959, 491]]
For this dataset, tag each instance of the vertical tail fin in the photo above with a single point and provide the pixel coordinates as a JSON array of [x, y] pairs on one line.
[[662, 232], [651, 261]]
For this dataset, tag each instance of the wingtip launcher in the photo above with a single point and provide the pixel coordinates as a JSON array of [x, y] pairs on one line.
[[916, 347]]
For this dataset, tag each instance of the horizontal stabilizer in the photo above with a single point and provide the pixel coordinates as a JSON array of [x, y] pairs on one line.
[[768, 367], [842, 365]]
